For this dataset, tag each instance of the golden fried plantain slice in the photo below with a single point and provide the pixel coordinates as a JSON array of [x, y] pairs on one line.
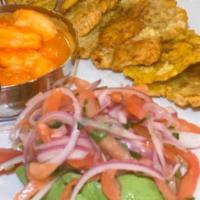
[[183, 89], [125, 26], [89, 42], [164, 19], [87, 14], [120, 31], [144, 52], [137, 5], [176, 57], [68, 4], [48, 4]]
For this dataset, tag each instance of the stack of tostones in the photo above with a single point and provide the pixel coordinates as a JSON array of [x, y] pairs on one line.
[[48, 4], [147, 40]]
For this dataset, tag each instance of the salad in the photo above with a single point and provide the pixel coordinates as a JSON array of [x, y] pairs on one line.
[[100, 143]]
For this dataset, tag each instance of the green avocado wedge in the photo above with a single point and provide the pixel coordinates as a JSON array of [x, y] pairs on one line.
[[91, 191], [132, 188], [138, 188]]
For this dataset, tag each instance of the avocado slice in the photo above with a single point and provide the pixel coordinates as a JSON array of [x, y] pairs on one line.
[[138, 188]]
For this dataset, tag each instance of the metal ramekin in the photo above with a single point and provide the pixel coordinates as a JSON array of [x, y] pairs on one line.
[[13, 98]]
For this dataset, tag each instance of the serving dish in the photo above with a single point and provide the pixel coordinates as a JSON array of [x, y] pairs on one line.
[[13, 98]]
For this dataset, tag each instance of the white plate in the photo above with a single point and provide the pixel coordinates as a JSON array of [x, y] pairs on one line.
[[9, 185]]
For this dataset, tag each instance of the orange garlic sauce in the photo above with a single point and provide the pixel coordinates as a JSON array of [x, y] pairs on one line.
[[25, 53]]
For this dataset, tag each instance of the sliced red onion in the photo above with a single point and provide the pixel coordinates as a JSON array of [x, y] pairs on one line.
[[103, 99], [61, 116], [77, 153], [106, 119], [44, 189], [111, 128], [35, 116], [156, 162], [168, 135], [125, 166], [12, 162], [189, 140], [118, 113], [159, 113], [59, 132], [68, 148], [50, 154], [173, 171], [138, 146], [56, 142], [94, 85], [84, 142], [157, 141], [28, 144], [74, 133], [103, 93], [31, 105]]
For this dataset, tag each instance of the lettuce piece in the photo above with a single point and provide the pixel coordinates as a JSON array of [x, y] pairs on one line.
[[138, 188], [91, 191], [59, 186], [21, 174]]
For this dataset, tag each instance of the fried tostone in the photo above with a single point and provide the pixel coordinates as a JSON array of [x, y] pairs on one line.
[[144, 52], [183, 89], [48, 4], [163, 19], [176, 57], [89, 42], [86, 15]]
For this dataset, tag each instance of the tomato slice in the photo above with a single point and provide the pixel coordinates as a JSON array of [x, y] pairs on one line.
[[88, 102], [53, 102], [188, 182], [87, 162], [134, 106], [7, 154], [187, 126], [110, 185]]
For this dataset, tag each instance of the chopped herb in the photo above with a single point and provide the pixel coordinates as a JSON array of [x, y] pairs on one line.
[[131, 124], [77, 94], [125, 145], [80, 126], [141, 121], [136, 155], [55, 124], [84, 105], [128, 125], [21, 146], [178, 174], [171, 127], [98, 135], [176, 135], [38, 142]]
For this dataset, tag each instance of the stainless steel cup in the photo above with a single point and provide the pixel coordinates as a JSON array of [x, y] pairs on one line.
[[13, 98]]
